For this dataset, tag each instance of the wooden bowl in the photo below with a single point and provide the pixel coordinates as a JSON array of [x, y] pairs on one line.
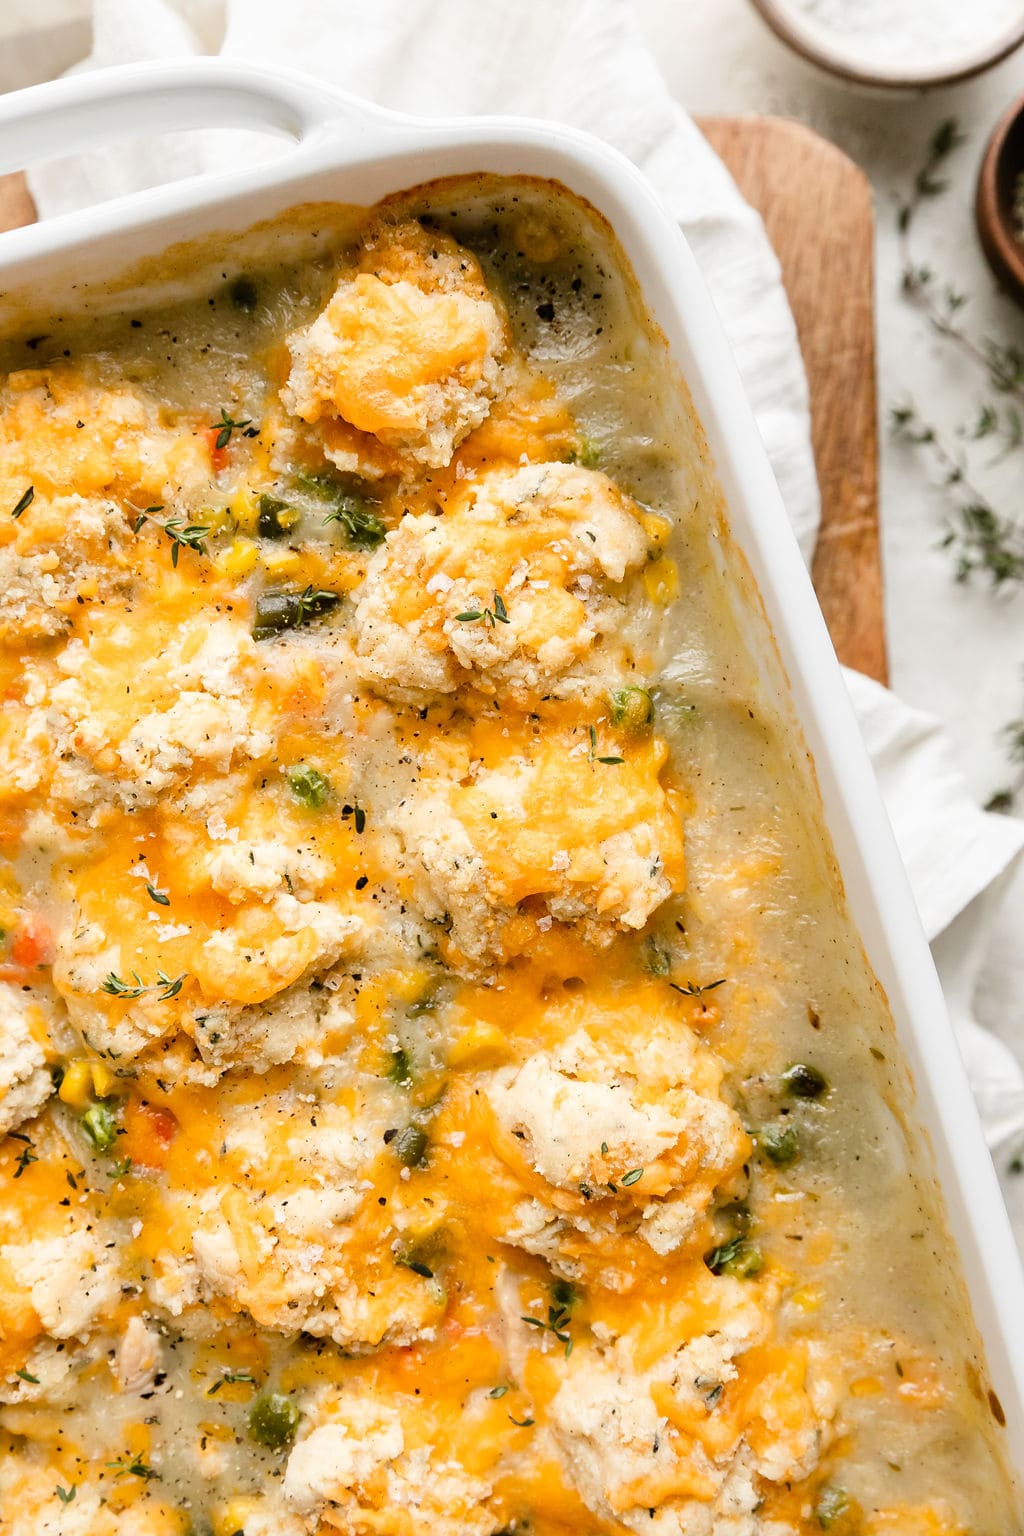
[[1002, 237], [903, 77]]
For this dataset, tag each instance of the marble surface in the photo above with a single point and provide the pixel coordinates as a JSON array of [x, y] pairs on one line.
[[956, 651]]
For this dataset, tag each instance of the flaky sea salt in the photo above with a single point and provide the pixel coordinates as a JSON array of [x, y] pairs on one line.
[[906, 36]]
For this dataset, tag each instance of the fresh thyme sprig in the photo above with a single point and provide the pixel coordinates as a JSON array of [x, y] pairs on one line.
[[557, 1325], [491, 616], [1007, 798], [26, 1155], [132, 1466], [227, 426], [165, 986], [592, 756], [983, 538], [927, 182], [185, 536], [979, 536]]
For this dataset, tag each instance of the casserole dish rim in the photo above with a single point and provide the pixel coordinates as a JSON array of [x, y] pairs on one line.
[[349, 150]]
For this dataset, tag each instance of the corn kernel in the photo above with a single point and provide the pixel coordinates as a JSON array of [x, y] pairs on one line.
[[104, 1082], [245, 510], [477, 1043], [808, 1298], [656, 528], [240, 559], [284, 562], [661, 581], [231, 1517], [865, 1386], [76, 1085]]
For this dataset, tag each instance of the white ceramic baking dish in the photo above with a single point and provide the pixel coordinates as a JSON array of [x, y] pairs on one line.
[[344, 149]]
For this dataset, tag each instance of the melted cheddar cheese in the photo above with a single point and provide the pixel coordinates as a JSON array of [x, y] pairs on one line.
[[380, 1155]]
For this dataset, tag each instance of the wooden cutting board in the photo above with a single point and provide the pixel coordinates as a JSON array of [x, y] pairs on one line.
[[817, 209], [816, 205]]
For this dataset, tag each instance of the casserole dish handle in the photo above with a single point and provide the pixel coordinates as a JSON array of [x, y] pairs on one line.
[[133, 100]]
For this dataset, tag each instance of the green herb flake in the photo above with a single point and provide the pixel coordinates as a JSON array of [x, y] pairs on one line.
[[66, 1494], [522, 1423], [228, 1379], [400, 1067], [33, 1381], [498, 1391], [24, 502], [410, 1146], [160, 897], [133, 1466], [592, 756], [27, 1154], [632, 1177], [691, 988], [657, 960]]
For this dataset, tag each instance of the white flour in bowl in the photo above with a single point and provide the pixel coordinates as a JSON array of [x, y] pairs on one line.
[[908, 36]]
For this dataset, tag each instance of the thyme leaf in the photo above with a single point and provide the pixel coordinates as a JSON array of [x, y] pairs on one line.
[[24, 501], [227, 426]]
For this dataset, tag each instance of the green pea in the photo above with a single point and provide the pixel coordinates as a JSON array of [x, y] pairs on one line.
[[273, 1420], [632, 709], [833, 1502], [737, 1257], [803, 1081], [100, 1127], [588, 454], [780, 1144], [309, 786]]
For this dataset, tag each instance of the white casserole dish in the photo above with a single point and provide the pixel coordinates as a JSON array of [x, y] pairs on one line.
[[345, 149]]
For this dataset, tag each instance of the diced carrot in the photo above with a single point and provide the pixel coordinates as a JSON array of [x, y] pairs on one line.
[[33, 944], [218, 456], [149, 1131]]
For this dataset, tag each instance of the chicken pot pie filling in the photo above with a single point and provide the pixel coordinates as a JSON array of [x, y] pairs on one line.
[[441, 1089]]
